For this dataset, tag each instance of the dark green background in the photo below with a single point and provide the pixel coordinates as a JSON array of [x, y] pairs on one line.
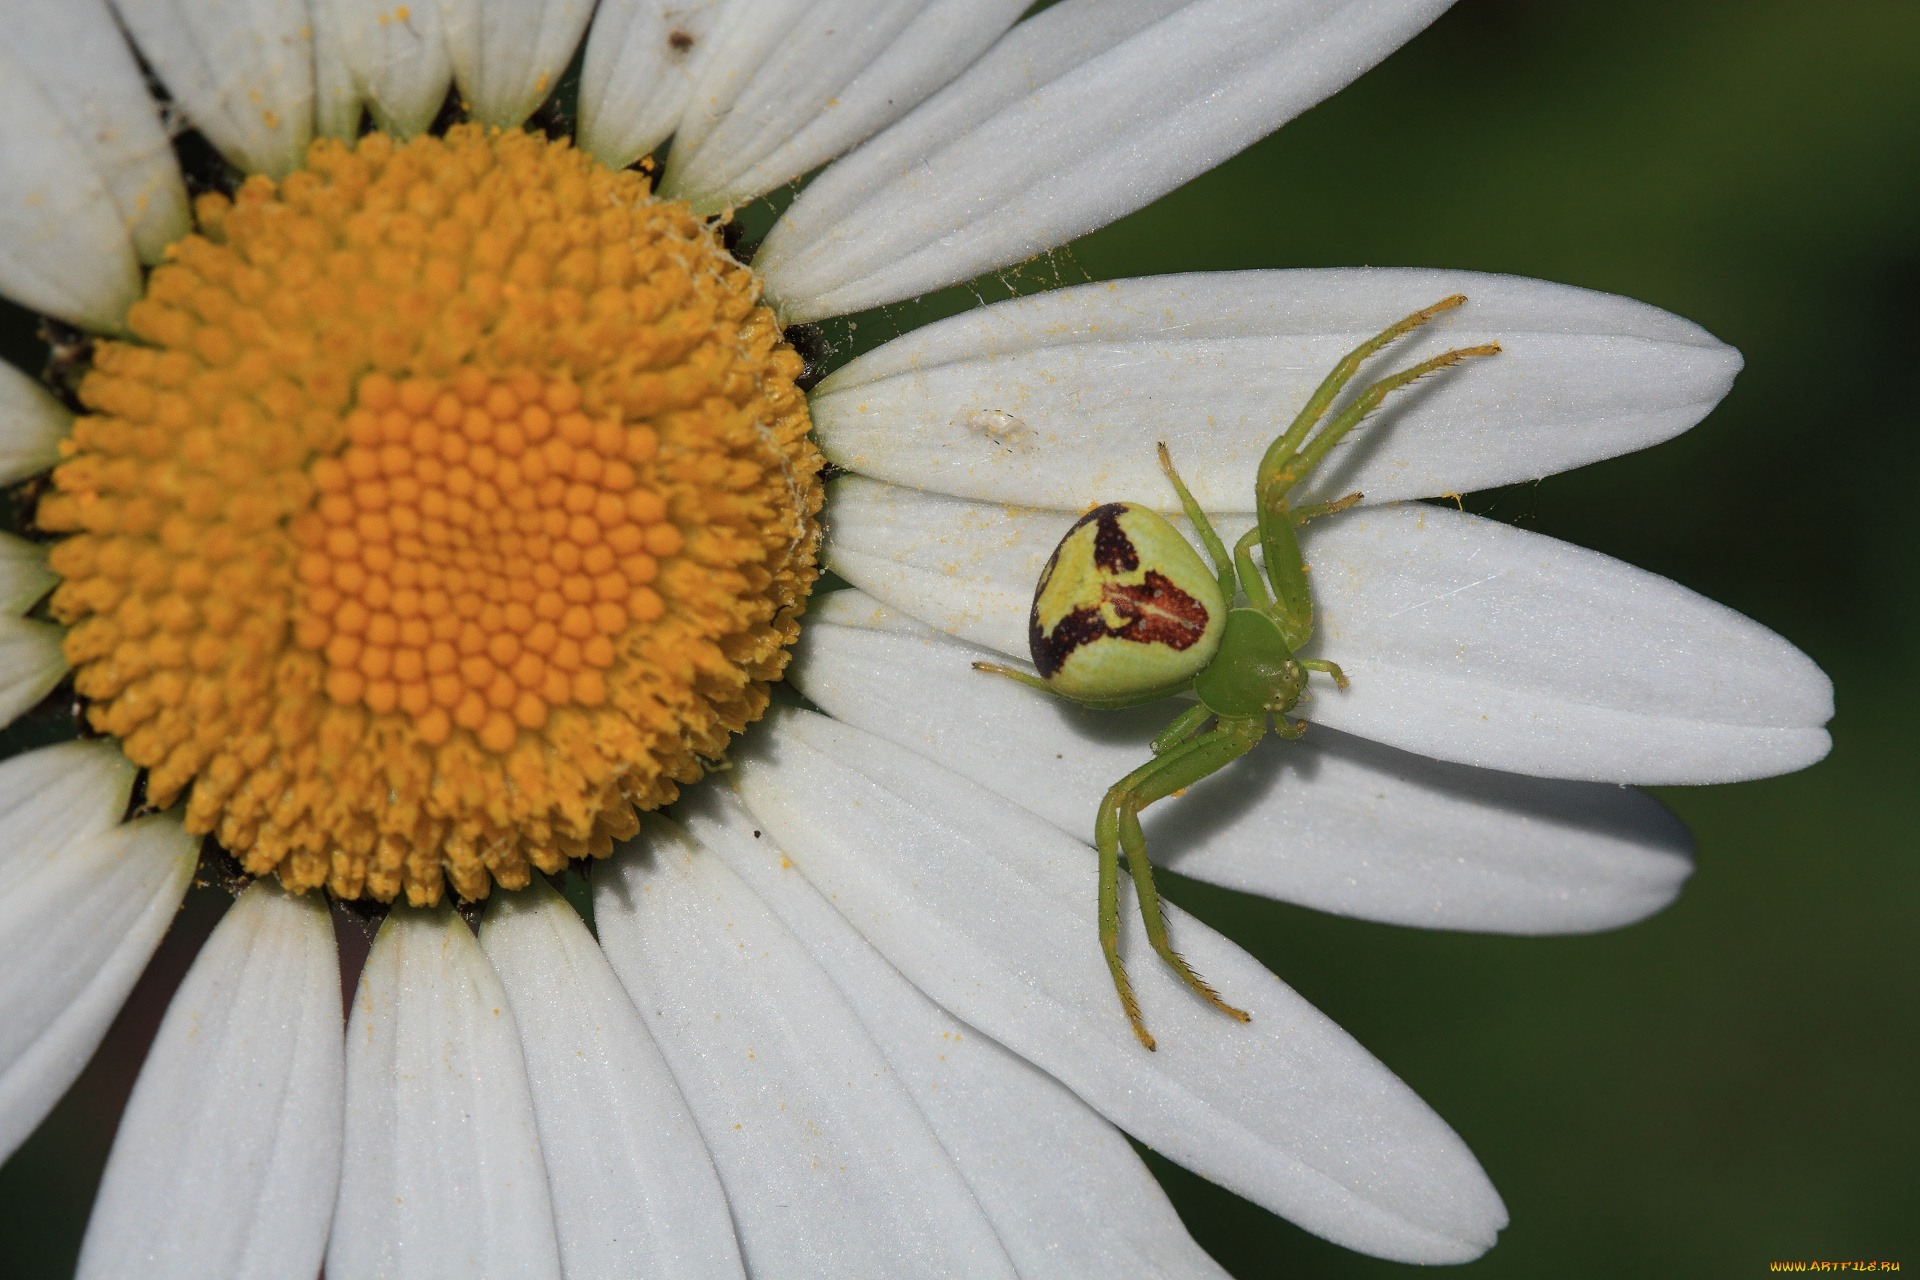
[[1731, 1083]]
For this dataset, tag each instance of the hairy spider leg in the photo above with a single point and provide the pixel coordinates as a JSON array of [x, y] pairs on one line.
[[1288, 443], [1303, 514], [1369, 400], [1291, 457], [1108, 842], [1118, 829]]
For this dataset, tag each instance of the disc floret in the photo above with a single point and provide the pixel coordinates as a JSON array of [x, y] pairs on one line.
[[453, 499], [1101, 637]]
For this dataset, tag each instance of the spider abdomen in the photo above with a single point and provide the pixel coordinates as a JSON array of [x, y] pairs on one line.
[[1124, 609]]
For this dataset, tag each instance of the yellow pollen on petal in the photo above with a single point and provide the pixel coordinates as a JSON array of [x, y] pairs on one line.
[[455, 501]]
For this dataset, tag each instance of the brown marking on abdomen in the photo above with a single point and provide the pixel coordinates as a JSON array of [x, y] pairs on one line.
[[1156, 612], [1113, 550]]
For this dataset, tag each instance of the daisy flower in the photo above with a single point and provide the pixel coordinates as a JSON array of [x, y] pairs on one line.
[[440, 495]]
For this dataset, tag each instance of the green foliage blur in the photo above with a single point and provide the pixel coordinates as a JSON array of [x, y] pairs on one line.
[[1731, 1083]]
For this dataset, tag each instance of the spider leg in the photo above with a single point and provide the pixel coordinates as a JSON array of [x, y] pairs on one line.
[[1280, 453], [1303, 514], [1013, 673], [1180, 730], [1250, 580], [1290, 458], [1370, 399], [1118, 828], [1106, 837], [1330, 668], [1215, 548]]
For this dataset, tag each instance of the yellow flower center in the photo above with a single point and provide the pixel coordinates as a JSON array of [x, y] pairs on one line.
[[456, 501]]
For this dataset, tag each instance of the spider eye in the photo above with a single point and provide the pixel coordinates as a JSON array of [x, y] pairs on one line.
[[1124, 609]]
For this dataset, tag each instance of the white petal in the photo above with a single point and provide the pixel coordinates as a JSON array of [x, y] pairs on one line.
[[1475, 641], [228, 1156], [336, 94], [1065, 1193], [396, 56], [729, 67], [798, 86], [634, 1191], [64, 249], [1466, 639], [32, 425], [830, 1169], [1058, 400], [242, 70], [57, 796], [78, 922], [82, 62], [24, 576], [1085, 113], [31, 663], [1331, 821], [441, 1174], [990, 911], [508, 54], [642, 59]]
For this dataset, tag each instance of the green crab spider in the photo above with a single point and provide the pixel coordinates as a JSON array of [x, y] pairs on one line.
[[1126, 613]]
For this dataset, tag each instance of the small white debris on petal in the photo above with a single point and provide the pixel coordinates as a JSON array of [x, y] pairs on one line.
[[998, 426]]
